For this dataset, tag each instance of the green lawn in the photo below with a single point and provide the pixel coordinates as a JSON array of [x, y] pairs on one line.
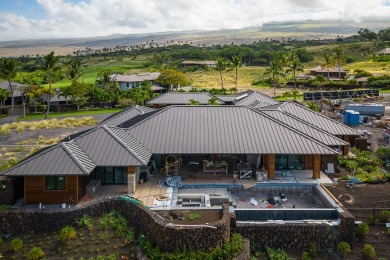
[[70, 114]]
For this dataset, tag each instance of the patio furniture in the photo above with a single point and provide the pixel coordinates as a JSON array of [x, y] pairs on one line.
[[171, 165], [215, 167], [330, 169]]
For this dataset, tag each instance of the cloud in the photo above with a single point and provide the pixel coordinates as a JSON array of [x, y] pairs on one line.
[[65, 18]]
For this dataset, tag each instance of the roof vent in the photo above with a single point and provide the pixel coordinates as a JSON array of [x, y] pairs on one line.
[[242, 96]]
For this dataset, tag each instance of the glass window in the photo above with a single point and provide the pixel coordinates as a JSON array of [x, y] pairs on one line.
[[55, 182]]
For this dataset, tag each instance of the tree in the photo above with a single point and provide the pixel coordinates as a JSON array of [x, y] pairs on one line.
[[313, 106], [25, 91], [274, 71], [221, 66], [172, 78], [50, 64], [339, 59], [384, 34], [366, 34], [3, 96], [66, 92], [8, 70], [328, 62], [236, 63], [73, 70], [295, 65], [106, 82], [78, 92]]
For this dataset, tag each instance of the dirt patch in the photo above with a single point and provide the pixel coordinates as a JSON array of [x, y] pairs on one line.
[[190, 217]]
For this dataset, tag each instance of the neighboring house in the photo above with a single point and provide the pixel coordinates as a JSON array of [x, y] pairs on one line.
[[207, 63], [181, 98], [385, 51], [127, 82], [281, 136], [17, 93], [333, 72], [246, 98], [362, 81]]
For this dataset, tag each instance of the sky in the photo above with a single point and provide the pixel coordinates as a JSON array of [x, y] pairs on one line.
[[48, 19]]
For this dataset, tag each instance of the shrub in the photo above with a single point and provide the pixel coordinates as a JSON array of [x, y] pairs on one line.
[[313, 250], [343, 248], [193, 216], [86, 221], [362, 229], [384, 216], [35, 254], [369, 250], [277, 254], [305, 256], [16, 244], [67, 233]]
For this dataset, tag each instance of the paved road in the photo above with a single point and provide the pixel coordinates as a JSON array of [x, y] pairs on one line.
[[98, 117]]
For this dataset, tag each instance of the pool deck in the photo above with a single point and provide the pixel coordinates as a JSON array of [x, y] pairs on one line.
[[150, 190]]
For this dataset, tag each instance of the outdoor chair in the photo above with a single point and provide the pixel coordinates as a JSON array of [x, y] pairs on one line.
[[330, 169]]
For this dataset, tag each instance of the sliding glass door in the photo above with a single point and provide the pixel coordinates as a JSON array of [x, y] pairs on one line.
[[289, 162], [112, 175]]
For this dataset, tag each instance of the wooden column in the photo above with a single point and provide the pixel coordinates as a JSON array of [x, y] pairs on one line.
[[346, 148], [316, 166], [271, 166], [131, 179]]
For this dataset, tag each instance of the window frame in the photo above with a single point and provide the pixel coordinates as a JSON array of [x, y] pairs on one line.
[[56, 183]]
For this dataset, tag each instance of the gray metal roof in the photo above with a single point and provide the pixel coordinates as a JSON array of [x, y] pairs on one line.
[[221, 130], [57, 160], [258, 104], [54, 98], [305, 128], [80, 157], [108, 146], [125, 115], [182, 98], [4, 85], [136, 77], [251, 96], [227, 98], [325, 123]]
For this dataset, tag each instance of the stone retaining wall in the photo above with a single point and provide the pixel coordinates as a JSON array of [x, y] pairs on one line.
[[168, 238], [289, 235]]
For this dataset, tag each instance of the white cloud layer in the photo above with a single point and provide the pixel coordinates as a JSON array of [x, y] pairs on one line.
[[63, 19]]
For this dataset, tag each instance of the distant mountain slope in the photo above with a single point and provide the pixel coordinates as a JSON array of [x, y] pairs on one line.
[[278, 30]]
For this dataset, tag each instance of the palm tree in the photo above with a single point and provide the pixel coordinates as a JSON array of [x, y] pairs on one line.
[[295, 65], [236, 62], [221, 66], [105, 81], [274, 70], [339, 58], [8, 70], [73, 70], [50, 64], [3, 96], [328, 62]]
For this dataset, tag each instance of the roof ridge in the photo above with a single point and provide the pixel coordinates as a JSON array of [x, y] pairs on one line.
[[107, 128], [64, 145], [323, 116], [293, 129], [157, 112], [304, 122]]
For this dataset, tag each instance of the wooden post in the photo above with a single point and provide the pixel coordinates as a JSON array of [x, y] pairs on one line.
[[271, 166], [316, 166], [346, 148], [131, 179]]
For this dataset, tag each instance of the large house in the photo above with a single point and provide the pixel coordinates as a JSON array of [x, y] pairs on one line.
[[385, 51], [333, 72], [127, 82]]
